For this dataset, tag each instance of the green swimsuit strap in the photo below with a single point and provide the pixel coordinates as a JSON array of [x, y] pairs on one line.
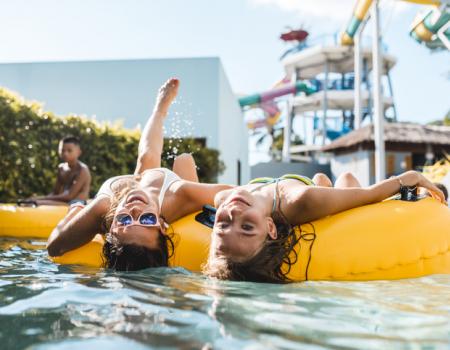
[[269, 180], [305, 179], [262, 180]]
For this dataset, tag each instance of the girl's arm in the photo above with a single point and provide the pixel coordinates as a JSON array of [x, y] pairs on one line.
[[192, 196], [78, 227], [312, 203]]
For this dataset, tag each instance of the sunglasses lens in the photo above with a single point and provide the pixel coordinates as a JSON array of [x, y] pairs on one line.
[[148, 219], [125, 219]]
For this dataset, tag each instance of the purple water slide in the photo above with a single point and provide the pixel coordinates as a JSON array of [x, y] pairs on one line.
[[270, 95]]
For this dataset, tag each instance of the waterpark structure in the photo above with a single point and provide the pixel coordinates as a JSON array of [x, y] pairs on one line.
[[434, 28], [341, 83]]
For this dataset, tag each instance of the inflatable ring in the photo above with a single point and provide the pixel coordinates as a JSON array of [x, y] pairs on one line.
[[29, 221], [387, 240]]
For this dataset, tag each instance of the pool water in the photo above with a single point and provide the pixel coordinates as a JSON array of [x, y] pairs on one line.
[[46, 306]]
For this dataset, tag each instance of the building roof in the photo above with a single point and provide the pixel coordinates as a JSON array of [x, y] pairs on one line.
[[396, 136], [310, 61]]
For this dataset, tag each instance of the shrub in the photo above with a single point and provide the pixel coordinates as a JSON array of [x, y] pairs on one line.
[[29, 149]]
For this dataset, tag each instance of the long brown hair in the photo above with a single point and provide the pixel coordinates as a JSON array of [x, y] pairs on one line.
[[131, 257], [271, 264]]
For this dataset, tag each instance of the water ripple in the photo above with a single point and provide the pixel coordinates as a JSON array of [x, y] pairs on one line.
[[45, 306]]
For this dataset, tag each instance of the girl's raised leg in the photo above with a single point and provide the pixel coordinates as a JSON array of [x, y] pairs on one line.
[[152, 139]]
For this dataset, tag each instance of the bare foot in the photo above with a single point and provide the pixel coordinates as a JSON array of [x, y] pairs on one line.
[[166, 95]]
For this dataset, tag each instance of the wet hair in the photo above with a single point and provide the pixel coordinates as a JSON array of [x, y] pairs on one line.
[[442, 188], [132, 257], [271, 264], [71, 139]]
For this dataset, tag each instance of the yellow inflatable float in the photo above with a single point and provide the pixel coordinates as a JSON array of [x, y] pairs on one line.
[[24, 221], [388, 240]]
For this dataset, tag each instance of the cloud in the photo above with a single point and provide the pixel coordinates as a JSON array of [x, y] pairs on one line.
[[332, 10]]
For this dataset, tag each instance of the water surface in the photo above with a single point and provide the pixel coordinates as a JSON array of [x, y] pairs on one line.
[[46, 306]]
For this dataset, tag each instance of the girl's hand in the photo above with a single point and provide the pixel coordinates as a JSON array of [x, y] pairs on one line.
[[414, 178]]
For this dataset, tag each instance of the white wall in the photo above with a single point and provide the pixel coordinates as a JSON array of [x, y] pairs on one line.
[[233, 132], [357, 163], [126, 89], [362, 165]]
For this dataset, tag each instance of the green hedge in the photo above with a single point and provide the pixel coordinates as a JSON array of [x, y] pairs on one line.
[[29, 140]]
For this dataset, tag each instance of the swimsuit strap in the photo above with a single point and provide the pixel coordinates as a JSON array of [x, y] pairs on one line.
[[274, 203], [305, 179], [169, 178], [270, 180], [107, 188], [262, 180]]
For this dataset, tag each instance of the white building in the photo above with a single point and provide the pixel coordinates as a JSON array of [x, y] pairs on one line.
[[408, 146], [126, 89]]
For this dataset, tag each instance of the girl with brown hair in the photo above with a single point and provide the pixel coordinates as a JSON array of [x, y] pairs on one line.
[[135, 210], [253, 237]]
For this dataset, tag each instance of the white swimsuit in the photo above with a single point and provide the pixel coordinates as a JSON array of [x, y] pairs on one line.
[[169, 178]]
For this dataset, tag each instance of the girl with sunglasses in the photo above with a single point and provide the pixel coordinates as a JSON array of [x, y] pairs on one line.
[[135, 210]]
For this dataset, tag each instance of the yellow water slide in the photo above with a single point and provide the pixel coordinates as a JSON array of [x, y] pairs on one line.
[[358, 16], [425, 29], [433, 27]]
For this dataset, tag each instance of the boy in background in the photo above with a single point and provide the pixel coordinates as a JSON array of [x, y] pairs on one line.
[[73, 180]]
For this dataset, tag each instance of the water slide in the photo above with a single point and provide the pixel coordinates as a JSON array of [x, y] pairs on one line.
[[433, 28], [257, 99], [358, 16], [265, 101]]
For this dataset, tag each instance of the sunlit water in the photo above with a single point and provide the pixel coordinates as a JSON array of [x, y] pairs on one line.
[[46, 306]]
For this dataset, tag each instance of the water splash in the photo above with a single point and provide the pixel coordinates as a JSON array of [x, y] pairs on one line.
[[179, 125]]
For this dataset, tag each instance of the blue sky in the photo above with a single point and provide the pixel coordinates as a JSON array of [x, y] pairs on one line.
[[243, 33]]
